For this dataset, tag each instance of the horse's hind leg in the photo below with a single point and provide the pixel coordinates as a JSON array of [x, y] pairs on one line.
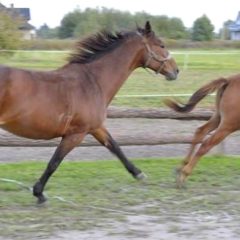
[[199, 135], [207, 144], [66, 145], [104, 137]]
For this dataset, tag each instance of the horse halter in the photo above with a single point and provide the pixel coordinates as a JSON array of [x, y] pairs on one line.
[[154, 56]]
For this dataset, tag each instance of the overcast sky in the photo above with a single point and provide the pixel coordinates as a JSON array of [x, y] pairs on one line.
[[52, 11]]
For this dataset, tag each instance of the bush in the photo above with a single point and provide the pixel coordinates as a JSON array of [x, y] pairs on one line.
[[47, 44], [9, 34]]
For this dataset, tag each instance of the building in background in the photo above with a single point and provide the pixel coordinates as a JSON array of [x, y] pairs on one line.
[[22, 16], [234, 29]]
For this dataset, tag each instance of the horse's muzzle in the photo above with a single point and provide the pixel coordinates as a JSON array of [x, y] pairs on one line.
[[172, 75]]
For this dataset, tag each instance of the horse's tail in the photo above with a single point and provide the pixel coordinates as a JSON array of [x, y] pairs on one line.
[[197, 96]]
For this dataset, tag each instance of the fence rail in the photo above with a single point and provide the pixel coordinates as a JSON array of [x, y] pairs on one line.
[[146, 138], [9, 140], [158, 113]]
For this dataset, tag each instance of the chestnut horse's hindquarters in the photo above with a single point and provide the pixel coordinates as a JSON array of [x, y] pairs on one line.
[[225, 120]]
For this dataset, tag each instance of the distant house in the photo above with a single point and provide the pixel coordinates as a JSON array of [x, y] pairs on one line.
[[24, 15], [234, 29]]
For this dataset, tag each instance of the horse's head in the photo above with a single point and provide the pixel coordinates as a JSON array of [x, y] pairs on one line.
[[156, 56]]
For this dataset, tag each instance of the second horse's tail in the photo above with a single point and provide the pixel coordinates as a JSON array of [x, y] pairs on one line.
[[197, 96]]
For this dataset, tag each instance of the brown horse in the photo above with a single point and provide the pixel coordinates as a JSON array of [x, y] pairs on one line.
[[225, 120], [72, 101]]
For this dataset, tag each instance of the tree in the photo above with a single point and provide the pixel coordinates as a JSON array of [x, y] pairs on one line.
[[161, 25], [45, 32], [177, 29], [81, 23], [9, 34], [224, 32], [202, 29], [69, 23], [169, 27], [88, 22]]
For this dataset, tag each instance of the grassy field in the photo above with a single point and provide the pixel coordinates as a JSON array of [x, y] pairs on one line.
[[94, 195], [197, 68]]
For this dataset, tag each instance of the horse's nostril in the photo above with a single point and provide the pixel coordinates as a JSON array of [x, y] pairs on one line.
[[177, 71]]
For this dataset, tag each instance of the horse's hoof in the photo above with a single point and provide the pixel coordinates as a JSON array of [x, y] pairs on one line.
[[141, 176], [41, 199], [180, 181], [178, 178], [177, 171], [181, 185]]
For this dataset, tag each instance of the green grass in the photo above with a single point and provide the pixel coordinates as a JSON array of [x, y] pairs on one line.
[[103, 192], [197, 68]]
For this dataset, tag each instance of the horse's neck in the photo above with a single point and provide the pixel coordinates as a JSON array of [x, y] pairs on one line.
[[115, 69]]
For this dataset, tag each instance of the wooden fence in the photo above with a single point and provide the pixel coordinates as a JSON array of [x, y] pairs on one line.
[[159, 113], [9, 140]]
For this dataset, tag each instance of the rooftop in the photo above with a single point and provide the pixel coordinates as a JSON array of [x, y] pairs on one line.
[[235, 26]]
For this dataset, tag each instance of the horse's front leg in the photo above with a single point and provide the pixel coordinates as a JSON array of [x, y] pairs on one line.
[[66, 145], [104, 137]]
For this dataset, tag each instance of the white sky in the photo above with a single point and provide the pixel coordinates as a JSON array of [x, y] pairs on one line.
[[52, 11]]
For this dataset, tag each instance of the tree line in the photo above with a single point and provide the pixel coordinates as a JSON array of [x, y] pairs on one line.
[[80, 23]]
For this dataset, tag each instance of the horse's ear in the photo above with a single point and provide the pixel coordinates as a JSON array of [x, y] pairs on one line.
[[146, 31], [148, 28]]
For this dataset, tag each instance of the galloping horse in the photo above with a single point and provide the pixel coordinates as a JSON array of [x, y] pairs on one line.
[[71, 102], [225, 120]]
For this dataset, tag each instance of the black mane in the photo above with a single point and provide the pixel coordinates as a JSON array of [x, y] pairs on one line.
[[97, 45]]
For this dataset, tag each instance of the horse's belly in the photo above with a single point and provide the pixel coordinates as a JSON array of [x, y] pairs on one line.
[[51, 124], [45, 127], [29, 131]]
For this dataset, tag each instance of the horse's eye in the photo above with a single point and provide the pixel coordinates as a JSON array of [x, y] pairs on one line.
[[162, 46]]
